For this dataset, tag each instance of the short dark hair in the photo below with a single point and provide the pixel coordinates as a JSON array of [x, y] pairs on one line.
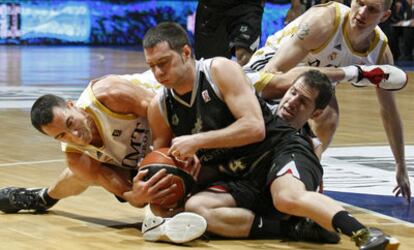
[[42, 110], [319, 81], [170, 32]]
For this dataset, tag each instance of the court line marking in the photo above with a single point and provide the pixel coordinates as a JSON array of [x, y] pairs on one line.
[[29, 162]]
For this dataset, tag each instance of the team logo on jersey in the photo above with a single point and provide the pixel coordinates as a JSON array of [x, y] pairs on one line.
[[206, 96], [117, 132], [197, 126], [289, 168], [243, 28], [236, 166], [333, 56], [175, 120]]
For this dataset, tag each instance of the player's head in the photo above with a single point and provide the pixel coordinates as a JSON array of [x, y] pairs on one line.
[[306, 98], [168, 52], [366, 14], [62, 120]]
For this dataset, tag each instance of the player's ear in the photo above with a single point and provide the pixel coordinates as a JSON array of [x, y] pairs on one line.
[[70, 104], [386, 15], [316, 113], [187, 52]]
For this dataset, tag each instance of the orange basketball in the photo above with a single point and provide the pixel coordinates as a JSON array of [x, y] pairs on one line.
[[159, 159]]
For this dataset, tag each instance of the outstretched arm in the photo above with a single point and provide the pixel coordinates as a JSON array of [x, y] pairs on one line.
[[94, 172], [394, 129]]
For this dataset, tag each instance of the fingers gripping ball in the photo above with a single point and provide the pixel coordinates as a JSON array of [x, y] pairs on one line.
[[159, 159]]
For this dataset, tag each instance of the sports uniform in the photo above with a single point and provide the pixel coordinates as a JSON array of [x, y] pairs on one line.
[[252, 167], [336, 51], [126, 137]]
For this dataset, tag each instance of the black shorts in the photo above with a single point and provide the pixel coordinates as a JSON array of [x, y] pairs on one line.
[[223, 26], [301, 164], [253, 191]]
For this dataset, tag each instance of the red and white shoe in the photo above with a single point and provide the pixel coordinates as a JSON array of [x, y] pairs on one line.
[[386, 77]]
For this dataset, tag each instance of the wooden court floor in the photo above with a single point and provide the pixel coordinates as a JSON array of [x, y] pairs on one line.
[[95, 219]]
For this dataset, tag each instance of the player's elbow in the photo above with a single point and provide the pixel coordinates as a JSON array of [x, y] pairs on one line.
[[257, 131]]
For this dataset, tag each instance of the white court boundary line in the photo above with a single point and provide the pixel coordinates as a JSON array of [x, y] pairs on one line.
[[29, 162]]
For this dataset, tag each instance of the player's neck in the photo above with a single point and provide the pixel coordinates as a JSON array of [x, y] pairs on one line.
[[96, 136], [360, 40], [187, 80]]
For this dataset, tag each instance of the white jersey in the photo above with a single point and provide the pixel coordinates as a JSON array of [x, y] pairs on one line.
[[335, 51], [126, 137]]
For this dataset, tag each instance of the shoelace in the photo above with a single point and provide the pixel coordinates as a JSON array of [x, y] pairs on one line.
[[360, 237], [25, 199]]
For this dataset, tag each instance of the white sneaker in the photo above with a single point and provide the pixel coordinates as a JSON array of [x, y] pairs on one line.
[[183, 227], [386, 77]]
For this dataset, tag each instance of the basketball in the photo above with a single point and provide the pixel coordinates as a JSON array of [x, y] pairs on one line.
[[159, 159]]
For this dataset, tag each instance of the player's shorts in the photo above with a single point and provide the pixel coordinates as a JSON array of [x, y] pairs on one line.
[[259, 59], [220, 28], [301, 163], [253, 192]]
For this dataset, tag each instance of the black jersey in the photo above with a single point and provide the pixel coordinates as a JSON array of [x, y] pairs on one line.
[[206, 111]]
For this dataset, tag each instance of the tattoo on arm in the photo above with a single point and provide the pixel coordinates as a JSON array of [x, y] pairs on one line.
[[303, 31]]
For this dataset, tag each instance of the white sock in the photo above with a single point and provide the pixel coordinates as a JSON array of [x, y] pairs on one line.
[[351, 73]]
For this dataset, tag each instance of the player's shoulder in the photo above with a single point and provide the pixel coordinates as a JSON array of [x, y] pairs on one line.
[[323, 14]]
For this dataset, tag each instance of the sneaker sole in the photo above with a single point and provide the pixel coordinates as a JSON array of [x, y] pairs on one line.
[[393, 244], [183, 227]]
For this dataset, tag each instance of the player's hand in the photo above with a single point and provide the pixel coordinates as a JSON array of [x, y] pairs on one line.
[[193, 166], [403, 185], [183, 147], [154, 188]]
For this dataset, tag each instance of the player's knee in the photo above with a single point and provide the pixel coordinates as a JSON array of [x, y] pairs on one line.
[[285, 201], [196, 205]]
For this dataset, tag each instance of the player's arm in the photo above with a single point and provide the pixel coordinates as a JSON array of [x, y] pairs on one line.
[[240, 99], [121, 96], [394, 129], [313, 31], [94, 173], [160, 130]]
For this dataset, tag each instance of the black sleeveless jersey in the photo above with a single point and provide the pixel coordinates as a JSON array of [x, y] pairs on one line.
[[208, 112]]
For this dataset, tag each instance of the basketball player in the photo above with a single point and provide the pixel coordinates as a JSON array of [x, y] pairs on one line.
[[335, 35], [201, 111], [104, 137], [224, 28]]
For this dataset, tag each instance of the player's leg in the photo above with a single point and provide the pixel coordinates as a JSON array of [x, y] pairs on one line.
[[13, 199], [295, 177], [219, 206], [221, 213], [210, 38], [244, 27]]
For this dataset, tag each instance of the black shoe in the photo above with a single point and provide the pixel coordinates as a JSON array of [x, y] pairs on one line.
[[13, 199], [374, 239], [303, 229]]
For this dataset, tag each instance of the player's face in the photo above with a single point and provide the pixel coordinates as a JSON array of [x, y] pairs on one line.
[[167, 65], [366, 14], [70, 125], [298, 104]]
